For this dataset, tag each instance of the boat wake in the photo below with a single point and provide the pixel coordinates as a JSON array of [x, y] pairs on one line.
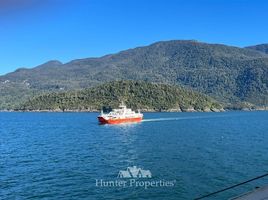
[[179, 118]]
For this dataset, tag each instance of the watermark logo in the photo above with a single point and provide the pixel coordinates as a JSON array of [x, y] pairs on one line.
[[134, 177], [134, 172]]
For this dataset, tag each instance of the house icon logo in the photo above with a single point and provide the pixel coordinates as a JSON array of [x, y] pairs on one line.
[[134, 172]]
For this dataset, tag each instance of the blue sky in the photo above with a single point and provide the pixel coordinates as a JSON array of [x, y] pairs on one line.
[[35, 31]]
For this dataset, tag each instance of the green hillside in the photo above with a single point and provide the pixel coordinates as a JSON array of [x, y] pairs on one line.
[[228, 74], [136, 94]]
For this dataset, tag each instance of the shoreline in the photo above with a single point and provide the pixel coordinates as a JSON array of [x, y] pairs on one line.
[[144, 111]]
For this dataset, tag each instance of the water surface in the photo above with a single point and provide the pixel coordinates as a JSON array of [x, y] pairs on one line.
[[60, 155]]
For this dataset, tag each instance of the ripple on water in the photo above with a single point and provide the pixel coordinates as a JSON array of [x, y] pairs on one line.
[[59, 155]]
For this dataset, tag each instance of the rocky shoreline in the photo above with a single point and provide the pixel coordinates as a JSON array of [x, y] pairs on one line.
[[146, 110], [142, 110]]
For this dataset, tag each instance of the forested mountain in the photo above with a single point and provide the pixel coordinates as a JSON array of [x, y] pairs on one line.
[[261, 47], [136, 94], [229, 74]]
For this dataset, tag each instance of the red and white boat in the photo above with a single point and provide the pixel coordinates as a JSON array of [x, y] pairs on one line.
[[120, 115]]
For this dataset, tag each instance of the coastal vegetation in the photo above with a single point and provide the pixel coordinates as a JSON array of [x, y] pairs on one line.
[[231, 75], [136, 94]]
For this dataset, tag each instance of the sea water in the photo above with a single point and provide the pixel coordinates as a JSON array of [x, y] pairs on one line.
[[69, 155]]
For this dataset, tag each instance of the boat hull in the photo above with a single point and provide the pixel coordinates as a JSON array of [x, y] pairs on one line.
[[119, 121]]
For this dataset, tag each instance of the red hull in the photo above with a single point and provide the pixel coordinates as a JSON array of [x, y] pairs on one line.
[[119, 121]]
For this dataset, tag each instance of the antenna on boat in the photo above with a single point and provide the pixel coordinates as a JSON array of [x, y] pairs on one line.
[[122, 102]]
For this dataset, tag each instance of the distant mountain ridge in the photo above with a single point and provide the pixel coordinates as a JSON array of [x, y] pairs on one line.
[[229, 74], [261, 47]]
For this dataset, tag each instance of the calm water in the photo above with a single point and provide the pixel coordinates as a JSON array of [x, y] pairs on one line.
[[60, 155]]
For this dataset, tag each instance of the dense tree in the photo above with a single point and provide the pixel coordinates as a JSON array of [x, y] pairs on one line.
[[228, 74], [136, 94]]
